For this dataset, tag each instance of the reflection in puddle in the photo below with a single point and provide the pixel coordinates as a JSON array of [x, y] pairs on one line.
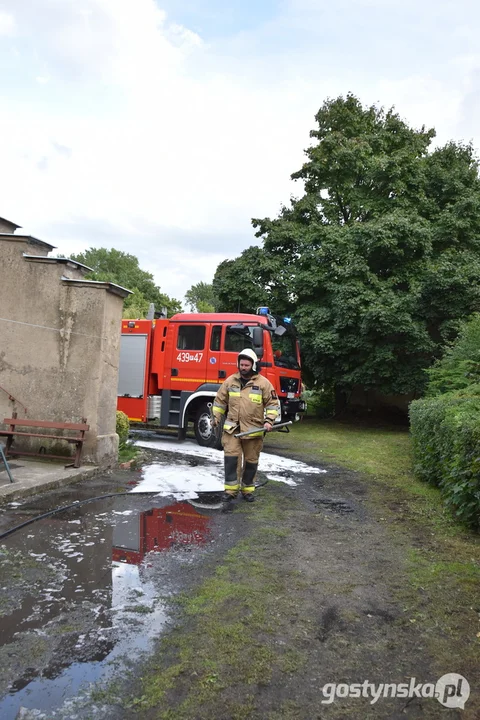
[[159, 529], [84, 592]]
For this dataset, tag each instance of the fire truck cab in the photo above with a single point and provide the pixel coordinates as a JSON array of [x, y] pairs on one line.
[[171, 369]]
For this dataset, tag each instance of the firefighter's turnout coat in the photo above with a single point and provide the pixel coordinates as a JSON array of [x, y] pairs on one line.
[[248, 407], [244, 408]]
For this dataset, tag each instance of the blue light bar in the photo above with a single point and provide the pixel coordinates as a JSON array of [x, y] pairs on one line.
[[263, 311], [287, 320]]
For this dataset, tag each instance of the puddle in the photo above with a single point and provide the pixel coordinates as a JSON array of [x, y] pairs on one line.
[[86, 591]]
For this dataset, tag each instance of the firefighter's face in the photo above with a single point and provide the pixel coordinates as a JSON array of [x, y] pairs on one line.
[[245, 366]]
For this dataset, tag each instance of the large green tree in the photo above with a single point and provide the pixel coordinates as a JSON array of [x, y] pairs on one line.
[[123, 269], [254, 278], [379, 259], [201, 297]]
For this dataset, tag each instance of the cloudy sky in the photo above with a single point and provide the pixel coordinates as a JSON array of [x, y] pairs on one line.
[[161, 127]]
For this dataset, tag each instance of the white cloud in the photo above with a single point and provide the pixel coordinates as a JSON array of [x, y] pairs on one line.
[[126, 128], [176, 148], [7, 24]]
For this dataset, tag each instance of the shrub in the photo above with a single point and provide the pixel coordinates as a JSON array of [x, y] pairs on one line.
[[123, 426], [446, 450], [445, 426], [320, 402]]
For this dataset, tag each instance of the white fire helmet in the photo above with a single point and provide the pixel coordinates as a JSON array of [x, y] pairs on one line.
[[248, 354]]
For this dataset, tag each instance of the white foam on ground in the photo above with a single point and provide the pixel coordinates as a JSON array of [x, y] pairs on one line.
[[184, 448], [181, 479], [187, 480], [268, 462], [282, 478]]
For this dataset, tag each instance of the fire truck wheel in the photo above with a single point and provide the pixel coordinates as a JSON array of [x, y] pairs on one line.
[[204, 430]]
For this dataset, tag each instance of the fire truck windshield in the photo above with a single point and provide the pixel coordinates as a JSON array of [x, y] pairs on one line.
[[284, 346], [285, 351]]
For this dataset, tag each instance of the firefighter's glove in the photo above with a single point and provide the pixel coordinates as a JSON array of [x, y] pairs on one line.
[[214, 421], [267, 426]]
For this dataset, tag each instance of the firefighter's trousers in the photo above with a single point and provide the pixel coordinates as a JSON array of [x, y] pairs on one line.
[[241, 463]]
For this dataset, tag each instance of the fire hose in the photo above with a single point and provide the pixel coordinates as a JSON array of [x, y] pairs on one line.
[[255, 431]]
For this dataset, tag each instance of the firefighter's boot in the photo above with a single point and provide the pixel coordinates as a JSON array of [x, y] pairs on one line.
[[228, 501], [231, 486], [248, 481], [231, 479]]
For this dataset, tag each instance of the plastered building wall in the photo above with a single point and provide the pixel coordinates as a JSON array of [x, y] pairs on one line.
[[59, 344]]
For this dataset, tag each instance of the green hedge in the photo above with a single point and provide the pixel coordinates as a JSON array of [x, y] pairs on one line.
[[446, 449]]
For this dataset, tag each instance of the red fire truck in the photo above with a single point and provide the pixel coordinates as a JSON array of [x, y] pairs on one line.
[[171, 369]]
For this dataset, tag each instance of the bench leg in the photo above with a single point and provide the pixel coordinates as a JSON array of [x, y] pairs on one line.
[[78, 454], [9, 442], [7, 467], [10, 437]]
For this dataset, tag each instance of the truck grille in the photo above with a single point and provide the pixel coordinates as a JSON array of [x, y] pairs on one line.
[[288, 385]]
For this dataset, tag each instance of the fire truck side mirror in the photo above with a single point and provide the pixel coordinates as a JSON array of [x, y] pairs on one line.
[[257, 337]]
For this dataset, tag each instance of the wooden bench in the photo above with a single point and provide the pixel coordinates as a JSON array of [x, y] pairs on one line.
[[77, 439]]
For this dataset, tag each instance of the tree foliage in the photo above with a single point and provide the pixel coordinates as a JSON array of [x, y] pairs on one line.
[[459, 368], [379, 260], [201, 297], [123, 269], [253, 279]]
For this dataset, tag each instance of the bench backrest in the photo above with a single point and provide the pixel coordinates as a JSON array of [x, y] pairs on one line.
[[24, 422]]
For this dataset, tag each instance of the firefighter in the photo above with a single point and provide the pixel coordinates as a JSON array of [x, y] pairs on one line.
[[246, 400]]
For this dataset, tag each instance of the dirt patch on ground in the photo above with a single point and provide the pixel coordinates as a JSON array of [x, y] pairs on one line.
[[319, 593]]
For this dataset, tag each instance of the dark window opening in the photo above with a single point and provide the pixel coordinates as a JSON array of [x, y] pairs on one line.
[[191, 337]]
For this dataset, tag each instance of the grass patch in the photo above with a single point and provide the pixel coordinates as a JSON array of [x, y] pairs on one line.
[[376, 451], [384, 455], [127, 451], [142, 609], [62, 630], [426, 574], [442, 601]]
